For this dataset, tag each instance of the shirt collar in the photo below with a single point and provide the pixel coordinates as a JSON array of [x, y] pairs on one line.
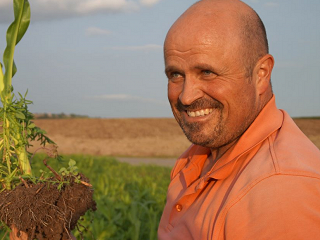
[[195, 160], [269, 120]]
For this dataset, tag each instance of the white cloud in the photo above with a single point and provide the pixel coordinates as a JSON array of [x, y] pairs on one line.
[[57, 9], [126, 97], [271, 4], [94, 31], [149, 3], [139, 48], [88, 6]]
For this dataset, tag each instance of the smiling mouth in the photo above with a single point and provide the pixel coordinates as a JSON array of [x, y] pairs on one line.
[[200, 113]]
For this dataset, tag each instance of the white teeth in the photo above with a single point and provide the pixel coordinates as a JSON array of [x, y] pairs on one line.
[[201, 112]]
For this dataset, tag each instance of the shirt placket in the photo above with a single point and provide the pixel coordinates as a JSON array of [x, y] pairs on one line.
[[189, 196]]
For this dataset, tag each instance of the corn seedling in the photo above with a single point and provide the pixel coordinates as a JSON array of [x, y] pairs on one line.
[[17, 128]]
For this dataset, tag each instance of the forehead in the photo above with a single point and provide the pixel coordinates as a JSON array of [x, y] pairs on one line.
[[207, 45], [182, 54], [217, 31]]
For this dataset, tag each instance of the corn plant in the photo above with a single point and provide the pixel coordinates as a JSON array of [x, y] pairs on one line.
[[17, 128]]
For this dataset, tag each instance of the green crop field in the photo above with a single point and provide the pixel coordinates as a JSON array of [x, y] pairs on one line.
[[130, 199]]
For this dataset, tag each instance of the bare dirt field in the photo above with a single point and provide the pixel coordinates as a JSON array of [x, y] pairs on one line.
[[116, 137], [158, 137]]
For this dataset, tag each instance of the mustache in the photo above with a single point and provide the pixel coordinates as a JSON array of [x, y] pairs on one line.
[[201, 103]]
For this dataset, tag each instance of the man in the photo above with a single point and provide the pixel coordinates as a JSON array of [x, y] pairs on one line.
[[250, 174]]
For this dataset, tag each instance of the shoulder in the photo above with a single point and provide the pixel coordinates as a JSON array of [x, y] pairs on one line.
[[287, 163], [279, 194], [293, 151], [280, 187], [285, 152], [279, 206]]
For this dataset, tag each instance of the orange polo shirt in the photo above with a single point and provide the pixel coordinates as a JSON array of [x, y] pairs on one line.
[[266, 187]]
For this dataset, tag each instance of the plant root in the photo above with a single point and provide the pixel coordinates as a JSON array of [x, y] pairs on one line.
[[24, 182], [44, 212], [58, 177]]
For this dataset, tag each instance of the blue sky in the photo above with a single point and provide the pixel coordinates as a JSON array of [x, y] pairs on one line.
[[103, 58]]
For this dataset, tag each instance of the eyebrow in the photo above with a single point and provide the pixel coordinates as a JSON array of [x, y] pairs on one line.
[[200, 66], [203, 66], [171, 69]]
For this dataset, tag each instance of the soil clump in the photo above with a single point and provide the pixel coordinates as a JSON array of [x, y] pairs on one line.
[[43, 210]]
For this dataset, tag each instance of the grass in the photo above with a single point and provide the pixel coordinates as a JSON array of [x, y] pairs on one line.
[[130, 199]]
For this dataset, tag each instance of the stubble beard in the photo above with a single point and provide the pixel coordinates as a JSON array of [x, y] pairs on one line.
[[201, 133]]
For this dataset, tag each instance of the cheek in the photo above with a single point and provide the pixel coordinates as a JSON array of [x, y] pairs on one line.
[[174, 91], [217, 89], [243, 106]]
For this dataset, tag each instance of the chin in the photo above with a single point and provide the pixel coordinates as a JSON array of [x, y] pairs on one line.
[[201, 139]]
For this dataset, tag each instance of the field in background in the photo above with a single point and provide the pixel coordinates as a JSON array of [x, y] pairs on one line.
[[310, 127], [116, 137], [158, 137]]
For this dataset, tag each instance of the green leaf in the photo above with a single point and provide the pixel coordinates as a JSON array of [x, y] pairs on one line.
[[25, 95], [25, 18], [72, 163], [20, 115], [63, 171], [14, 34], [32, 125], [1, 78]]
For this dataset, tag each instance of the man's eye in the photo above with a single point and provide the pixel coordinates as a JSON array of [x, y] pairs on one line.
[[207, 72], [175, 75]]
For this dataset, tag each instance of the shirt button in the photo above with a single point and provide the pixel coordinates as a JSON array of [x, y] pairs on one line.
[[178, 207]]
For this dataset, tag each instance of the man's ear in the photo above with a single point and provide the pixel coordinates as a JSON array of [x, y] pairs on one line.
[[263, 71]]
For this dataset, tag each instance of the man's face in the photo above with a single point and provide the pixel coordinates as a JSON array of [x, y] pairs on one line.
[[211, 95]]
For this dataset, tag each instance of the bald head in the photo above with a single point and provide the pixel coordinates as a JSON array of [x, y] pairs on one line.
[[230, 20], [218, 71], [254, 37]]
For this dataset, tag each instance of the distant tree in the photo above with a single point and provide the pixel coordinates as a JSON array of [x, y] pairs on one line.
[[62, 115]]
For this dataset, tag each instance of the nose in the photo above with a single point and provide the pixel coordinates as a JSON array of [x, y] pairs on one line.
[[191, 92]]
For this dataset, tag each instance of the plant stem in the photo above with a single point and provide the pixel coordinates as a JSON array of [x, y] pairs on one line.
[[58, 177], [23, 160], [6, 143]]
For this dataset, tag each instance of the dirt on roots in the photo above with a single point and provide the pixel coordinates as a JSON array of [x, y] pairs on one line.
[[43, 211]]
